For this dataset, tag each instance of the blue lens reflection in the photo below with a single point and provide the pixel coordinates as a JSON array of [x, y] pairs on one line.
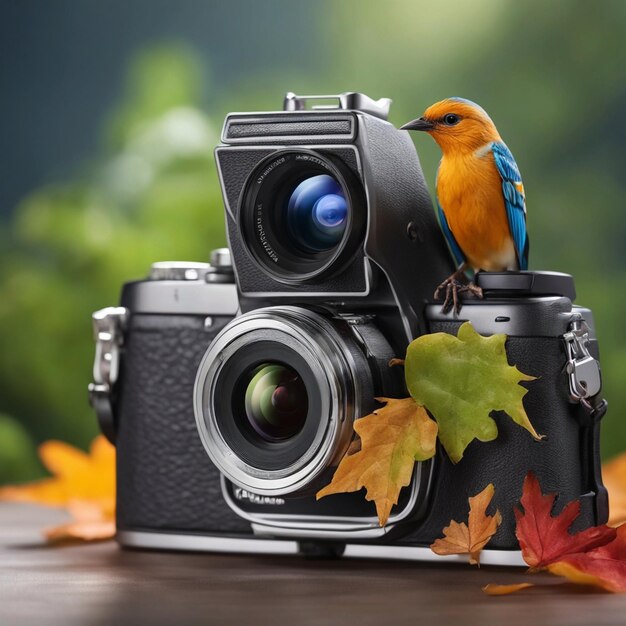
[[317, 213]]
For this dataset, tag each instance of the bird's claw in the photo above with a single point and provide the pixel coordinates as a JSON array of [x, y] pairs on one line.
[[454, 288]]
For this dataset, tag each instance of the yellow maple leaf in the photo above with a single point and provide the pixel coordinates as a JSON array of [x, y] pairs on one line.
[[392, 439], [470, 538], [614, 479], [84, 483]]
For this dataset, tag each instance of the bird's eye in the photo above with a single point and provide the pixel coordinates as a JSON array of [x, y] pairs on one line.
[[451, 119]]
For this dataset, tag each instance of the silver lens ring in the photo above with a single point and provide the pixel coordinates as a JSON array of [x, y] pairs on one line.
[[332, 362]]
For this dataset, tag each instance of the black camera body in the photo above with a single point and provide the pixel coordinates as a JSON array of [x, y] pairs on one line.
[[391, 235], [230, 392]]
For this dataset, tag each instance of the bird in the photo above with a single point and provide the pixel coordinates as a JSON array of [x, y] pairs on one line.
[[481, 202]]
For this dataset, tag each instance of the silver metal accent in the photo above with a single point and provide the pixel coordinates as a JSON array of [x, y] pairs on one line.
[[585, 380], [509, 558], [220, 270], [333, 532], [242, 495], [108, 328], [348, 101], [325, 350], [183, 297], [178, 270], [220, 259], [545, 316], [174, 541], [328, 527]]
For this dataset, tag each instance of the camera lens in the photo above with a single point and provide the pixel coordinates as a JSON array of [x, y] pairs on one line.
[[276, 401], [317, 213], [302, 215], [276, 395]]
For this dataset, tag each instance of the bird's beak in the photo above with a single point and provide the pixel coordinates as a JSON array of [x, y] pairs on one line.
[[418, 124]]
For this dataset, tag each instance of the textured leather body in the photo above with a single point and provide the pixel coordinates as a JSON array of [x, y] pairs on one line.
[[565, 461], [166, 481]]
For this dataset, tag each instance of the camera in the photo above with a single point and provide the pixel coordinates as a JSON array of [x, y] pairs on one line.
[[230, 389]]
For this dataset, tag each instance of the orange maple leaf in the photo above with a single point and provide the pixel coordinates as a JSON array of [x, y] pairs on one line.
[[614, 479], [84, 483], [470, 538], [505, 590], [392, 439], [90, 523]]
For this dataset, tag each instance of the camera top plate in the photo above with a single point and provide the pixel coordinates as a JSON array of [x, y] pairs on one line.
[[526, 284]]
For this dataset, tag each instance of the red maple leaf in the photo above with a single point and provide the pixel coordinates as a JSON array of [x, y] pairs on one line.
[[544, 538], [603, 567], [594, 556]]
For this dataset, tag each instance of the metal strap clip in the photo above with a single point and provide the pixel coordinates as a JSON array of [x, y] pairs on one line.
[[585, 381], [108, 327]]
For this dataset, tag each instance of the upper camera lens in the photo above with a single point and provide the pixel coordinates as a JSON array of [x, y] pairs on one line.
[[302, 214], [317, 213], [276, 401]]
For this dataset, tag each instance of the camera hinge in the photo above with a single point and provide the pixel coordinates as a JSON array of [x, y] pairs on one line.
[[108, 328], [585, 381]]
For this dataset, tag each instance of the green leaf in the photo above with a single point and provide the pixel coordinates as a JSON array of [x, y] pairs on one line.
[[461, 381]]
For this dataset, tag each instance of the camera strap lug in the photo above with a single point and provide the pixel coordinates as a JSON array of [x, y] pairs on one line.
[[377, 352], [583, 370], [108, 328]]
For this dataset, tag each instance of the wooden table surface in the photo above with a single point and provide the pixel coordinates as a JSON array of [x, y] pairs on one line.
[[101, 584]]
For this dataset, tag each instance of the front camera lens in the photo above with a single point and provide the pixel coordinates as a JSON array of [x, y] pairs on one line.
[[276, 402], [317, 213]]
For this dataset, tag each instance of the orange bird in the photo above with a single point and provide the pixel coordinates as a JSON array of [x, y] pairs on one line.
[[480, 195]]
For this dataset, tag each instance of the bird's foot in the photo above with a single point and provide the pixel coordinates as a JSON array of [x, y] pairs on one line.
[[458, 277], [473, 289], [453, 288]]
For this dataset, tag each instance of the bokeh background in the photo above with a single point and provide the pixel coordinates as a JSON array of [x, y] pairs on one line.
[[109, 112]]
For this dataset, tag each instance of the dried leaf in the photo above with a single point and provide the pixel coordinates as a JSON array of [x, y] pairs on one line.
[[544, 538], [461, 381], [603, 567], [505, 590], [77, 475], [614, 479], [470, 538], [595, 556], [91, 523], [392, 439], [83, 483]]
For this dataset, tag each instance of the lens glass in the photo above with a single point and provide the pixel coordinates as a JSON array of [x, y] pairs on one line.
[[276, 402], [302, 214], [317, 213]]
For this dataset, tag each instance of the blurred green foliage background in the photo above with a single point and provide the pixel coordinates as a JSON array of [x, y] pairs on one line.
[[550, 74]]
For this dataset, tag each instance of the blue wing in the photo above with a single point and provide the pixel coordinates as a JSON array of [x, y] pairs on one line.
[[458, 255], [513, 199]]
